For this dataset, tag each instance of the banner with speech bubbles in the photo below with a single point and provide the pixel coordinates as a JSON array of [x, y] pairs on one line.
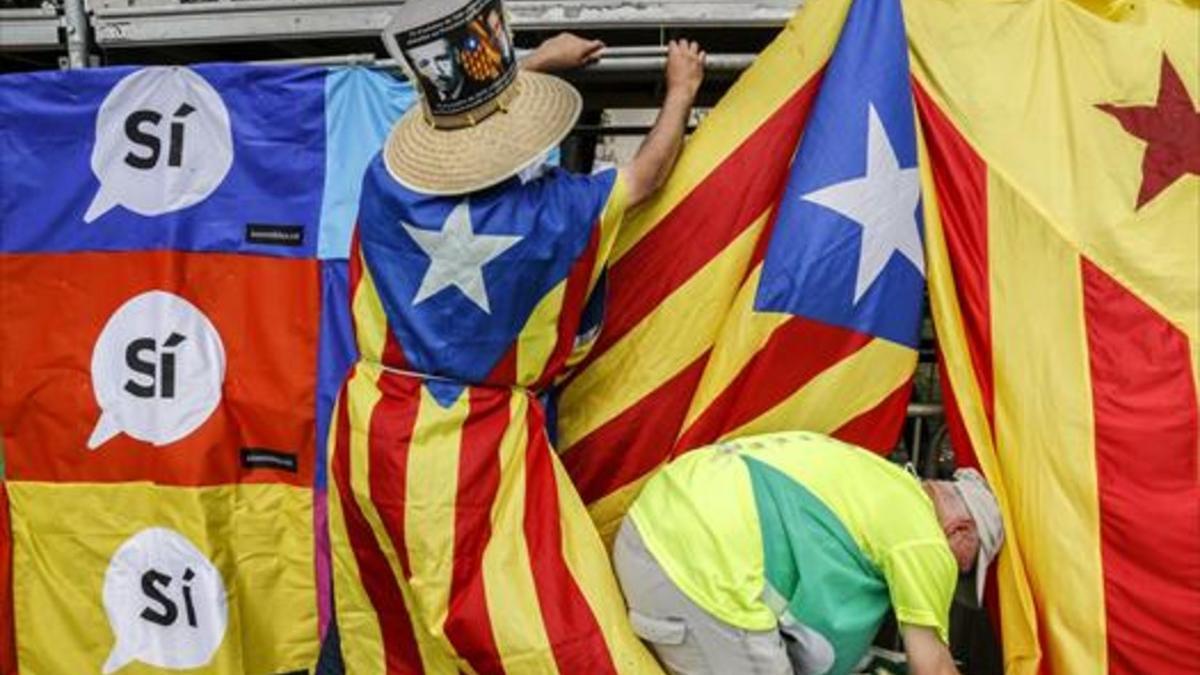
[[173, 331]]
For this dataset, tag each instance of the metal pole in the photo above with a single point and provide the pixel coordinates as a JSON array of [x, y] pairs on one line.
[[615, 60], [79, 44]]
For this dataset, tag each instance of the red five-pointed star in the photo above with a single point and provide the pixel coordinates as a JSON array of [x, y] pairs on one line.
[[1171, 129]]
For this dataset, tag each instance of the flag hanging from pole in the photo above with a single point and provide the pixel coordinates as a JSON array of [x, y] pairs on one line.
[[758, 293]]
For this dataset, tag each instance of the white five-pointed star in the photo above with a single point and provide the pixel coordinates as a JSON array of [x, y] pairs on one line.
[[457, 256], [884, 203]]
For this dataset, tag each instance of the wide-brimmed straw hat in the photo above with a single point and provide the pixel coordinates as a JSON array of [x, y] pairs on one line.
[[482, 119]]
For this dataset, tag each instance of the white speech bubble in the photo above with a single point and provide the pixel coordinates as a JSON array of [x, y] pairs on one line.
[[166, 603], [163, 143], [157, 370]]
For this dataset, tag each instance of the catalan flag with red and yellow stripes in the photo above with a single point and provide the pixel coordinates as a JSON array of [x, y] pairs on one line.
[[1064, 259], [458, 542], [759, 292]]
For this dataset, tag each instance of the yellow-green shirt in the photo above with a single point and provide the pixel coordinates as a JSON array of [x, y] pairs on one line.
[[799, 527]]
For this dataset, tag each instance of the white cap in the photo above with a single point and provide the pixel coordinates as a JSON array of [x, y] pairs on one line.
[[989, 525]]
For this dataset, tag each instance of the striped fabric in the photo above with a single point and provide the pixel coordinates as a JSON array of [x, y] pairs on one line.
[[687, 355], [1064, 265], [458, 542]]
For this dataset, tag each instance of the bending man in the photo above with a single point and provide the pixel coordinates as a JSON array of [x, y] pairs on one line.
[[782, 553]]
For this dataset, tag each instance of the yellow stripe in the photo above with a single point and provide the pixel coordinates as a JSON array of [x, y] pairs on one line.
[[779, 71], [743, 333], [370, 323], [1044, 425], [611, 221], [638, 364], [1018, 619], [362, 641], [588, 563], [839, 394], [507, 573], [363, 393], [539, 337], [430, 491]]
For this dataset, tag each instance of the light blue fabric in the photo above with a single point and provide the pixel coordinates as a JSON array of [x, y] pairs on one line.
[[361, 106]]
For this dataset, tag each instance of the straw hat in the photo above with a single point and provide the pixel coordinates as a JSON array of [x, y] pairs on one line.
[[482, 119]]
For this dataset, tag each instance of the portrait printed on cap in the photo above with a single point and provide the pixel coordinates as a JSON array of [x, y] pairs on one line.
[[462, 60]]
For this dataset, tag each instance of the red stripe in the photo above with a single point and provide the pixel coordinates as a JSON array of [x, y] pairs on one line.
[[1147, 428], [574, 299], [505, 370], [965, 454], [634, 442], [745, 184], [390, 440], [393, 355], [399, 644], [797, 351], [878, 429], [355, 270], [960, 177], [8, 638], [572, 630], [468, 623]]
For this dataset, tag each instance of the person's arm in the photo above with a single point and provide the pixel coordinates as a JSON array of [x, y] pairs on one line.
[[927, 654], [652, 163], [563, 52]]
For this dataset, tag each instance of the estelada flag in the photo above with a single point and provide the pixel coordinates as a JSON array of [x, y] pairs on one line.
[[757, 293], [458, 543], [1064, 147]]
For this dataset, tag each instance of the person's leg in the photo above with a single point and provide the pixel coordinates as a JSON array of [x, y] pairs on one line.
[[687, 639]]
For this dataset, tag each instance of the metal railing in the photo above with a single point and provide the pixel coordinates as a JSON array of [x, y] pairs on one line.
[[78, 27]]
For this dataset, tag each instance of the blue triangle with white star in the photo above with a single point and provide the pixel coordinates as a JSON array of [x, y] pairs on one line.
[[847, 246]]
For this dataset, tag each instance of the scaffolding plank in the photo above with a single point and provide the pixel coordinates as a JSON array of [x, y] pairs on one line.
[[28, 29], [120, 23]]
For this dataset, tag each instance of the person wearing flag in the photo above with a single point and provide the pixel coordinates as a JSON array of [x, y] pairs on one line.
[[458, 542], [782, 552]]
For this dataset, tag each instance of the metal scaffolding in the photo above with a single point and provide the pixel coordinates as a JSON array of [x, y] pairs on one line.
[[128, 23], [29, 29]]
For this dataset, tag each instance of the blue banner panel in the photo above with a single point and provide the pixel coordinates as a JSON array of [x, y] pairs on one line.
[[208, 158]]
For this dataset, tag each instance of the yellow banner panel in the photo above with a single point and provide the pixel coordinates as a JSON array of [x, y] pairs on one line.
[[140, 579]]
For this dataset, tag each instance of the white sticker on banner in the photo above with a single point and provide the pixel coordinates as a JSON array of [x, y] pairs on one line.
[[166, 602], [163, 143], [157, 370]]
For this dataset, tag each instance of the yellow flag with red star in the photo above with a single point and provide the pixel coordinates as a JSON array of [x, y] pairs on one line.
[[1062, 151]]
